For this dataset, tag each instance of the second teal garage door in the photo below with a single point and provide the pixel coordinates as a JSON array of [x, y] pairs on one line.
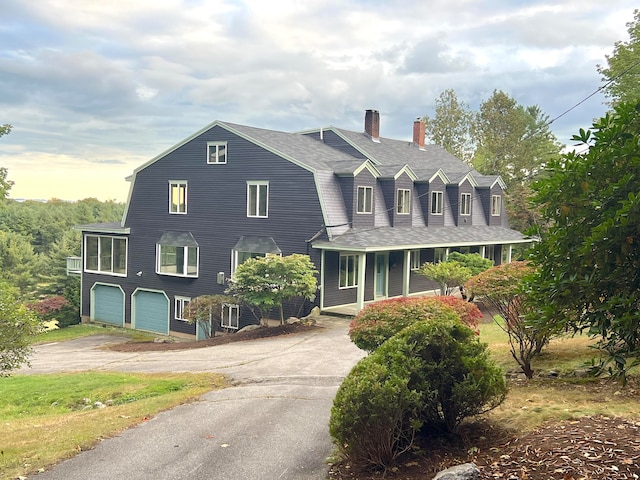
[[151, 311]]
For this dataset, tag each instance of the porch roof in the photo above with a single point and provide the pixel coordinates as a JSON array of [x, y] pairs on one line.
[[406, 238]]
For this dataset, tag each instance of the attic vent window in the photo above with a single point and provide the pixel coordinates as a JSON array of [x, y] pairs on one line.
[[216, 153]]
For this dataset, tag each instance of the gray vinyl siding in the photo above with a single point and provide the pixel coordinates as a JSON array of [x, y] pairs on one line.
[[396, 268], [216, 215]]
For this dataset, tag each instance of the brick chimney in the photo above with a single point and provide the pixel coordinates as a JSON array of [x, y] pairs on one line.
[[419, 132], [372, 124]]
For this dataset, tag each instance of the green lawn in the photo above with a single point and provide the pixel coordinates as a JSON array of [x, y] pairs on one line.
[[47, 418]]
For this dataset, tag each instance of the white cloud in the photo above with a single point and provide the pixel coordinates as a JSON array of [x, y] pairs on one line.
[[104, 86]]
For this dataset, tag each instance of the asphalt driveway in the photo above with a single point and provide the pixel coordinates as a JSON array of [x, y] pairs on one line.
[[272, 424]]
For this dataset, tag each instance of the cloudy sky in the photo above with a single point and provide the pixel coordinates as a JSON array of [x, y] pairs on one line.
[[96, 88]]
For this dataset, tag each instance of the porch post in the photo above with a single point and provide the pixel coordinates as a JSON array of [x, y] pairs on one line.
[[509, 252], [406, 273], [362, 267], [483, 251], [321, 280]]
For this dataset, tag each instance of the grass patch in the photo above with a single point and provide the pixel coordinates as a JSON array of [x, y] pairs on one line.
[[529, 404], [86, 330], [47, 418]]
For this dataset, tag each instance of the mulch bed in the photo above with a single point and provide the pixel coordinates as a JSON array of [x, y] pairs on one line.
[[593, 448], [219, 339]]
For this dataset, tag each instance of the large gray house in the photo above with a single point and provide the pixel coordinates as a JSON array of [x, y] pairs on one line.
[[368, 210]]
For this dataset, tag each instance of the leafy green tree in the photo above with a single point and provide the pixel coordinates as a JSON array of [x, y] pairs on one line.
[[589, 257], [622, 73], [267, 282], [449, 275], [18, 325], [451, 125]]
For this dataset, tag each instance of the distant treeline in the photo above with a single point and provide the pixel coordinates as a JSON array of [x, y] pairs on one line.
[[36, 238]]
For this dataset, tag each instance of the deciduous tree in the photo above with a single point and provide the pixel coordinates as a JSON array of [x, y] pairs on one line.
[[450, 127], [622, 73], [18, 325], [268, 282]]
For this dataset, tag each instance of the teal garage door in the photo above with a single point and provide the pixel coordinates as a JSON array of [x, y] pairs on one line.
[[107, 304], [151, 311]]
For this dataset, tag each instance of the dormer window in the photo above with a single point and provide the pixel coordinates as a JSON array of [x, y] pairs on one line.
[[496, 205], [403, 206], [365, 200], [216, 153], [436, 203], [465, 204]]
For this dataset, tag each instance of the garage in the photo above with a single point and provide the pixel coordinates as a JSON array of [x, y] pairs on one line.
[[150, 311], [107, 304]]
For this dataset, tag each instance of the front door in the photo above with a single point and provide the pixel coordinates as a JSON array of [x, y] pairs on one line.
[[382, 272]]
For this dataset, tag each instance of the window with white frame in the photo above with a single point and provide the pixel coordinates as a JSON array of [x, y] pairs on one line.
[[181, 305], [177, 197], [258, 199], [180, 261], [436, 203], [414, 259], [348, 271], [105, 254], [490, 252], [404, 201], [238, 258], [216, 153], [230, 316], [439, 255], [465, 204], [496, 205], [364, 201]]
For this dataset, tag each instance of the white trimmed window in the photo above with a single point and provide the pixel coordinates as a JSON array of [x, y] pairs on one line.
[[178, 261], [230, 316], [465, 204], [178, 197], [216, 153], [348, 271], [439, 255], [414, 259], [258, 199], [364, 202], [181, 305], [105, 254], [436, 203], [490, 252], [404, 201], [496, 205]]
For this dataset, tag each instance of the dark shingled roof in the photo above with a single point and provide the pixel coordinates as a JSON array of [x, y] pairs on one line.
[[400, 238]]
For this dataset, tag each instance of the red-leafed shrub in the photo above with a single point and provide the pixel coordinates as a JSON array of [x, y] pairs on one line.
[[56, 308], [469, 313], [379, 321]]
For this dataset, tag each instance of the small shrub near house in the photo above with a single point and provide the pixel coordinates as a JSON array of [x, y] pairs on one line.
[[56, 309], [424, 380], [379, 321]]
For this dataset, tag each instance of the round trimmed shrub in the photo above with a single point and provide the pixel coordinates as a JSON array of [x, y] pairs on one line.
[[379, 321], [455, 375], [430, 376], [375, 415]]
